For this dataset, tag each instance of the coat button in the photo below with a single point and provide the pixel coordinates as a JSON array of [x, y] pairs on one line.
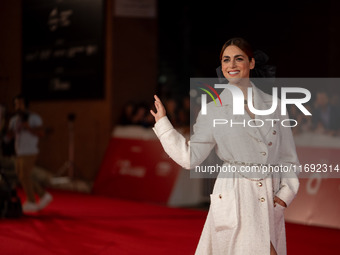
[[220, 196], [259, 184], [274, 132], [262, 199], [263, 153], [270, 144]]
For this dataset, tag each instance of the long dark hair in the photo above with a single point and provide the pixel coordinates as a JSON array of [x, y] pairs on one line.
[[242, 44]]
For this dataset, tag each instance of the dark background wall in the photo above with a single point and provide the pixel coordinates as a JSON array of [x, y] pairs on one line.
[[135, 61], [301, 37]]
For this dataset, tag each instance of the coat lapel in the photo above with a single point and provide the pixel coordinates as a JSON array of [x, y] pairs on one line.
[[227, 103], [263, 101]]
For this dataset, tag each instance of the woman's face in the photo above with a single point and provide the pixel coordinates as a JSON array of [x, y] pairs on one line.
[[236, 64]]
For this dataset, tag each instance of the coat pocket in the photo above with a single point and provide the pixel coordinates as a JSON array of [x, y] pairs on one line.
[[279, 214], [223, 207]]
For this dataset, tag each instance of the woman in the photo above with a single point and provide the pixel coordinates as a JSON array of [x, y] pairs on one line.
[[246, 214]]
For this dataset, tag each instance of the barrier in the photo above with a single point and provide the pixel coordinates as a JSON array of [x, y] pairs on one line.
[[136, 169], [317, 202]]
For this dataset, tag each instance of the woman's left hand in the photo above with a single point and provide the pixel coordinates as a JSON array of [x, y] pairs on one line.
[[279, 201]]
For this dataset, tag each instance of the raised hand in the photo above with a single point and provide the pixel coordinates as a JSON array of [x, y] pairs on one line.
[[160, 109]]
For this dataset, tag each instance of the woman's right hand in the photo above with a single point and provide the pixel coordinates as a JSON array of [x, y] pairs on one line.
[[160, 109]]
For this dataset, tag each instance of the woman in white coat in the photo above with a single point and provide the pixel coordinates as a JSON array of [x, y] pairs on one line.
[[246, 213]]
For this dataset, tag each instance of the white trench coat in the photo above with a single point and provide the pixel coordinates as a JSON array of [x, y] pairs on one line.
[[242, 218]]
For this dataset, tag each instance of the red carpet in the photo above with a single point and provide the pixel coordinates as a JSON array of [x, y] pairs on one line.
[[85, 224]]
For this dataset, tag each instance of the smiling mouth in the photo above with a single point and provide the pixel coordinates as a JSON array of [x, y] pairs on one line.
[[233, 72]]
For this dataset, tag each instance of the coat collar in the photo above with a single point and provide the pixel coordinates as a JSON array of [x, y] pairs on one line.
[[261, 99]]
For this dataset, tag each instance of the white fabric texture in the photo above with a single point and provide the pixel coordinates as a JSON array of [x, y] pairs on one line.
[[242, 218], [25, 142]]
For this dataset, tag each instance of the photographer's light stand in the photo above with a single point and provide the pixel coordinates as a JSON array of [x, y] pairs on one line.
[[68, 167]]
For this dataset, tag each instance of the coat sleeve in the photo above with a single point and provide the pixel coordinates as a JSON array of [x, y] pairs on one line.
[[187, 154], [289, 182]]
